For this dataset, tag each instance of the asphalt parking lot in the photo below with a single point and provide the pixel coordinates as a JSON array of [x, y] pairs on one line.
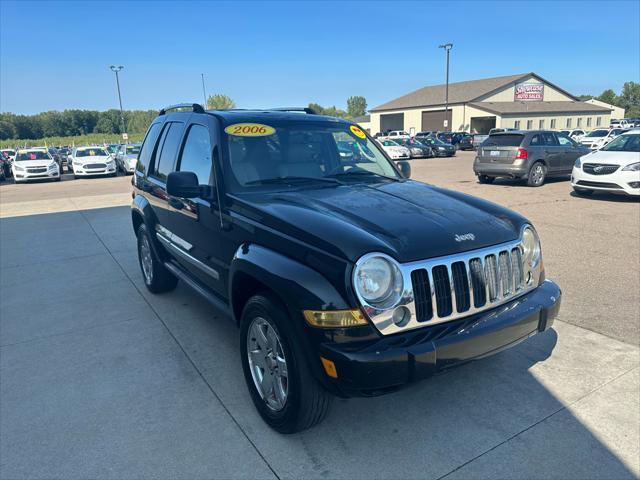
[[100, 379]]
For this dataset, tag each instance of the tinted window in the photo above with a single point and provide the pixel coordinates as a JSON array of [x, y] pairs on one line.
[[196, 154], [536, 140], [565, 141], [501, 140], [147, 147], [549, 138], [170, 144]]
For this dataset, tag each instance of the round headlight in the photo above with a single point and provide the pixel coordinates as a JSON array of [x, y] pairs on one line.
[[378, 281], [530, 247]]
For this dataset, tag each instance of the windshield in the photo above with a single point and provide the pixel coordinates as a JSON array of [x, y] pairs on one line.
[[598, 133], [623, 143], [91, 152], [432, 141], [133, 149], [32, 155], [113, 148], [288, 154]]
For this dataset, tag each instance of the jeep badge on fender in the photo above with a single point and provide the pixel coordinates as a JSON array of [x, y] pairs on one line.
[[345, 277]]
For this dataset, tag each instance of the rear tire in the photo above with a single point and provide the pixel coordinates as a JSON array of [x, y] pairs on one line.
[[583, 192], [485, 179], [156, 277], [305, 403], [537, 175]]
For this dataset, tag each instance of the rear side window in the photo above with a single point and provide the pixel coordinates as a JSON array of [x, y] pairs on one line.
[[196, 154], [147, 148], [170, 145], [508, 140]]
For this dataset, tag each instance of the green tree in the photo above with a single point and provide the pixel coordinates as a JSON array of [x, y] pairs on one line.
[[316, 107], [629, 99], [608, 96], [584, 98], [356, 106], [219, 101], [7, 130]]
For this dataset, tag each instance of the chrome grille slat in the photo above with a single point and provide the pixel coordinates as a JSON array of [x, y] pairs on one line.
[[491, 276]]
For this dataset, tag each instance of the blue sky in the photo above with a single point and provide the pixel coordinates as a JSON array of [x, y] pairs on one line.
[[55, 55]]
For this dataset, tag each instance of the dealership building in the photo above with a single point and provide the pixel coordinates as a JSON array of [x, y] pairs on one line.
[[525, 101]]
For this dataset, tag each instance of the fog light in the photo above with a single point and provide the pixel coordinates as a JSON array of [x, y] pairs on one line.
[[401, 316], [335, 318], [634, 184]]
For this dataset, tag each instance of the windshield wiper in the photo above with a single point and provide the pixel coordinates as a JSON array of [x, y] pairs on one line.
[[293, 179], [362, 172]]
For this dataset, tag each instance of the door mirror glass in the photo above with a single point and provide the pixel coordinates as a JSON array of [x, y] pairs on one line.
[[183, 185], [405, 169]]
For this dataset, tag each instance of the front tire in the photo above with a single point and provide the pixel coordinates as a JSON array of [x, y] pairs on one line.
[[537, 175], [156, 277], [282, 387]]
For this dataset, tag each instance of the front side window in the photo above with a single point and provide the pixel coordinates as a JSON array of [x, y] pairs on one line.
[[549, 139], [294, 153], [565, 141], [196, 154]]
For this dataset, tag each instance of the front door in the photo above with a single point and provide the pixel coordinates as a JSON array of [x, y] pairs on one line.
[[193, 224], [553, 152]]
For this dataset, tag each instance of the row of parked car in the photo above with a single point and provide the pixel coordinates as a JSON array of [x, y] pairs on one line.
[[536, 155], [42, 163]]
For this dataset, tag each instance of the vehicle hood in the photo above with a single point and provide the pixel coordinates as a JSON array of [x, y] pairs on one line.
[[407, 220], [93, 159], [612, 158], [34, 163]]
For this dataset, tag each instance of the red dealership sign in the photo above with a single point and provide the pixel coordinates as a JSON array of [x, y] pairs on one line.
[[529, 91]]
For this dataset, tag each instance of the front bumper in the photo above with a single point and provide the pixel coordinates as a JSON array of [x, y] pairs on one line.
[[27, 176], [86, 172], [617, 182], [395, 360], [444, 153]]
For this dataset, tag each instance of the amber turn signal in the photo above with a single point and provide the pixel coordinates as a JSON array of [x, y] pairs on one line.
[[334, 318], [329, 367]]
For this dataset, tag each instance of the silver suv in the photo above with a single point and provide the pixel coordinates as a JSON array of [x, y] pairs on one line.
[[531, 155]]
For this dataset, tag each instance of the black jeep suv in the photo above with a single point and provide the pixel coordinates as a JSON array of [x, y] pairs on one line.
[[345, 277]]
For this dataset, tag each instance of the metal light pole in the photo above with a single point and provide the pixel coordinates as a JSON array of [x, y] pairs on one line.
[[204, 92], [447, 47], [116, 69]]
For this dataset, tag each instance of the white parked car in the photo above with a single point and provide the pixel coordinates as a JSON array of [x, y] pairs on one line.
[[395, 150], [599, 137], [397, 133], [620, 123], [614, 168], [8, 153], [34, 164], [127, 157], [87, 161], [576, 134]]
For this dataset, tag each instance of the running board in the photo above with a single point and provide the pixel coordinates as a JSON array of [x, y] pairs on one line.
[[208, 295]]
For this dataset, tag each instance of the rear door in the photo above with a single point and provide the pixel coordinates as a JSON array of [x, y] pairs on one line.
[[553, 152], [500, 148], [195, 223]]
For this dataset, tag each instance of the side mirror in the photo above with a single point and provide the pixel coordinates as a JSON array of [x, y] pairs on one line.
[[405, 169], [183, 185]]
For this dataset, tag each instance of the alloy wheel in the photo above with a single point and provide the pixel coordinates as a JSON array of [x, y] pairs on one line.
[[267, 363], [146, 260]]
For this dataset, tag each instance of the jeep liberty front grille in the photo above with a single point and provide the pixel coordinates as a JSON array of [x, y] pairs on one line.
[[442, 289], [450, 287]]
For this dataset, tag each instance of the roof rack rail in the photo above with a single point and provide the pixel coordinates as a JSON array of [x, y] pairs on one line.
[[196, 107], [306, 110]]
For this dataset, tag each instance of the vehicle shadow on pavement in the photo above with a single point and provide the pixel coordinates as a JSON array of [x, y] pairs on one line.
[[102, 379], [608, 197]]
